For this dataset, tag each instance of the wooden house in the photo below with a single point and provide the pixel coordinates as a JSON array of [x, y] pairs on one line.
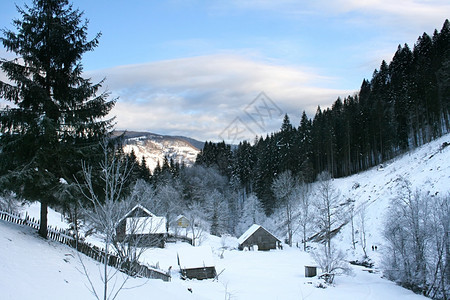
[[182, 222], [143, 228], [196, 263], [181, 226], [258, 236]]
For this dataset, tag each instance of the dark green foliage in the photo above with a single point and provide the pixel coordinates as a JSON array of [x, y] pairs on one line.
[[216, 155], [56, 118]]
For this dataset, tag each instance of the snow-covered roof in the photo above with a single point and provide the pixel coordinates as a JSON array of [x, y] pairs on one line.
[[146, 225], [138, 206], [195, 257], [143, 208], [249, 232]]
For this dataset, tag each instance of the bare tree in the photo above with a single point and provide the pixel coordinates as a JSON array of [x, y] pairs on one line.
[[198, 225], [362, 218], [167, 202], [329, 215], [439, 260], [105, 211], [305, 215], [416, 231], [331, 260], [252, 213], [217, 212], [285, 189], [329, 211]]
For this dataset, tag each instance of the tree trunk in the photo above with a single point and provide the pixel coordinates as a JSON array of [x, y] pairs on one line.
[[43, 222]]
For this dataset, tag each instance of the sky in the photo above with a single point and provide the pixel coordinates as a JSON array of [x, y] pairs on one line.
[[230, 70]]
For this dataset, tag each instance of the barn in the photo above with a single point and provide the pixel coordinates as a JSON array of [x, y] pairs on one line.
[[258, 236], [142, 227], [196, 263]]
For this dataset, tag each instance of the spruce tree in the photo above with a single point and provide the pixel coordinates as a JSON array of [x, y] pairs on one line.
[[56, 116]]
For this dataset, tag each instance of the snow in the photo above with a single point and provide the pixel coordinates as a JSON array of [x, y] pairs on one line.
[[196, 257], [34, 268], [31, 267], [428, 170]]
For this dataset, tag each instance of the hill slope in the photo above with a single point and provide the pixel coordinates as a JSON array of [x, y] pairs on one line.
[[154, 148], [427, 168]]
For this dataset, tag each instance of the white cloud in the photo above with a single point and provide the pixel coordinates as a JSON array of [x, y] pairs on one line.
[[200, 96]]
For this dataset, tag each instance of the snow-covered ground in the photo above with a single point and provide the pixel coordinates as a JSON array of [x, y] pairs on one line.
[[31, 267], [34, 268], [428, 170]]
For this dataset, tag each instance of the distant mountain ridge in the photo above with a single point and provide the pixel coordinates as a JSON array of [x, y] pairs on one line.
[[156, 147]]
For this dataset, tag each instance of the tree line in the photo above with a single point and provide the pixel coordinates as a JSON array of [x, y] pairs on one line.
[[405, 105]]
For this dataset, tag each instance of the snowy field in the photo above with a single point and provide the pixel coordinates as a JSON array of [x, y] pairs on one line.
[[34, 268]]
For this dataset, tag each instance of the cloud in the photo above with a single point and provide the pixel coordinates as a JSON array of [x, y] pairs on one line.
[[419, 11], [200, 96]]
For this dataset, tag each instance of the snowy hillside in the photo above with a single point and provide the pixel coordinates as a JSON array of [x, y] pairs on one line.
[[154, 148], [427, 168], [30, 266]]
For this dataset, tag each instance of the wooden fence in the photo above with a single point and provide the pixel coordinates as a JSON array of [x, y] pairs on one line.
[[68, 238]]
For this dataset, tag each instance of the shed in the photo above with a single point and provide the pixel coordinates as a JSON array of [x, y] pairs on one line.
[[196, 263], [142, 227], [258, 236]]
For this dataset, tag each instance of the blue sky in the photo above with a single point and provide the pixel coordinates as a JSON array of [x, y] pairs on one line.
[[197, 68]]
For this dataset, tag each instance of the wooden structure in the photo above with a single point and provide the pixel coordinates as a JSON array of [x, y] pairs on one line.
[[310, 271], [258, 236], [182, 222], [196, 263], [142, 228]]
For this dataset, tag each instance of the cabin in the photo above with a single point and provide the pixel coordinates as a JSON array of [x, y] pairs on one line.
[[196, 263], [258, 237], [142, 227]]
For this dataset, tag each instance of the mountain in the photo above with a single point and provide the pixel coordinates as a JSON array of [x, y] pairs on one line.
[[155, 147]]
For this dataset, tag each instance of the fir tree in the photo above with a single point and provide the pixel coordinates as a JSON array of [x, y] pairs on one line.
[[56, 116]]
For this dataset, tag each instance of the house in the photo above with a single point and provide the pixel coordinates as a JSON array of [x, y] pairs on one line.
[[258, 236], [142, 227], [196, 263], [182, 222]]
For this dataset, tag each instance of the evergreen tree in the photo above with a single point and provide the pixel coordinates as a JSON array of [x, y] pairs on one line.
[[303, 144], [56, 115], [401, 85], [285, 146]]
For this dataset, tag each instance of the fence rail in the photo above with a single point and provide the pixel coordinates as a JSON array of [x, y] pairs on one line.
[[72, 240]]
